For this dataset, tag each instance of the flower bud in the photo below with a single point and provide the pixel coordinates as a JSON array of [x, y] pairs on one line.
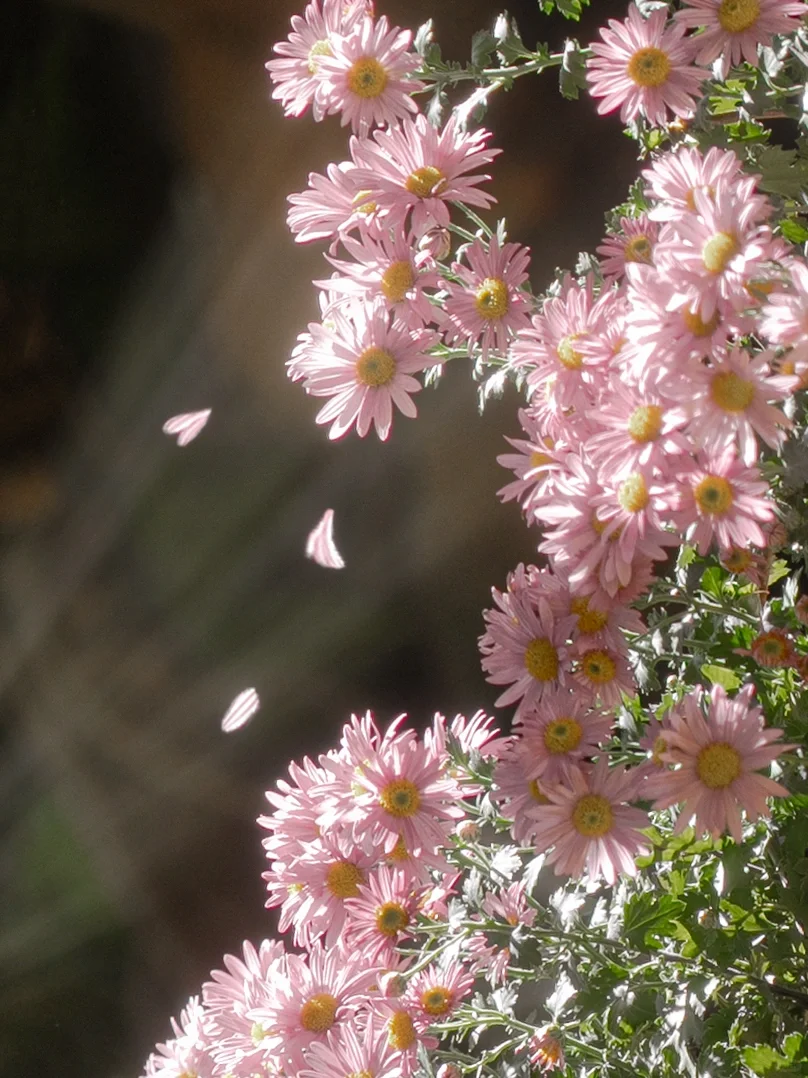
[[438, 243], [467, 830], [391, 984], [801, 609], [448, 1070]]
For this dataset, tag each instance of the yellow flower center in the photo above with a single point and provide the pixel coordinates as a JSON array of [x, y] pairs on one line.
[[736, 16], [425, 182], [436, 1000], [367, 77], [362, 204], [375, 367], [731, 392], [598, 666], [399, 853], [718, 765], [343, 879], [491, 299], [592, 816], [396, 281], [633, 494], [697, 326], [391, 918], [645, 423], [541, 660], [401, 1031], [400, 798], [599, 527], [713, 495], [562, 735], [718, 250], [638, 249], [318, 1013], [359, 1074], [649, 67], [737, 560], [536, 794], [567, 356], [319, 48], [257, 1035], [660, 746], [538, 460], [589, 621]]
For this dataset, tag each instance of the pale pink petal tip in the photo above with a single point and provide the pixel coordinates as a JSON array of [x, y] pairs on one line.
[[241, 711], [320, 545], [187, 425]]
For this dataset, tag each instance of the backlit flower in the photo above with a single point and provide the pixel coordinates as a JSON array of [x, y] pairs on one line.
[[733, 30]]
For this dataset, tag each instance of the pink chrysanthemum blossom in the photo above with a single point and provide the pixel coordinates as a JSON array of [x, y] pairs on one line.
[[510, 904], [515, 794], [367, 73], [404, 1032], [718, 750], [349, 1052], [314, 887], [365, 364], [589, 827], [712, 256], [655, 744], [642, 577], [605, 675], [477, 734], [297, 74], [644, 67], [784, 321], [547, 1050], [675, 176], [436, 992], [318, 992], [416, 167], [488, 306], [724, 499], [637, 431], [733, 30], [297, 805], [603, 623], [551, 349], [730, 402], [380, 914], [560, 735], [394, 788], [633, 243], [188, 1051], [333, 206], [388, 267], [537, 460], [523, 647], [743, 562]]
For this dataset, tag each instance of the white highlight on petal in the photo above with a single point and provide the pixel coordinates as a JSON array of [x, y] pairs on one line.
[[241, 711], [187, 425], [320, 546]]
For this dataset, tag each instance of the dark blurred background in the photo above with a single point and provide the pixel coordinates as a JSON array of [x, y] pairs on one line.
[[145, 270]]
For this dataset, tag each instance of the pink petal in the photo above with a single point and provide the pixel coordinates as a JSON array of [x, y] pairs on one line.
[[241, 711], [187, 425], [320, 546]]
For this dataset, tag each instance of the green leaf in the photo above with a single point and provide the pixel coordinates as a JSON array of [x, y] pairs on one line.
[[646, 917], [572, 76], [793, 230], [483, 44], [764, 1060], [783, 172], [778, 571], [720, 675]]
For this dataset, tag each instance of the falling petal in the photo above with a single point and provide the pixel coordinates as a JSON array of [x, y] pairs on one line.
[[320, 546], [241, 711], [187, 425]]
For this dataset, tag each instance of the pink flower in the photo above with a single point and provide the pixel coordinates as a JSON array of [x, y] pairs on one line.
[[588, 826], [436, 992], [605, 675], [560, 735], [510, 904], [488, 306], [351, 1051], [644, 66], [634, 243], [332, 206], [188, 1051], [546, 1050], [297, 806], [297, 75], [675, 176], [717, 753], [784, 321], [365, 365], [404, 1032], [637, 430], [415, 167], [724, 499], [379, 915], [535, 464], [733, 30], [515, 793], [367, 75]]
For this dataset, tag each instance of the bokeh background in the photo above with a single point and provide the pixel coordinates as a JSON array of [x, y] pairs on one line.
[[145, 270]]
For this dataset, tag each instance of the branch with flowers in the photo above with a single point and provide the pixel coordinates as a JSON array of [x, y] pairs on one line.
[[617, 884]]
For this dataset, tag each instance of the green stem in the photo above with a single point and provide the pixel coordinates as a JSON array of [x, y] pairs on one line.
[[490, 75]]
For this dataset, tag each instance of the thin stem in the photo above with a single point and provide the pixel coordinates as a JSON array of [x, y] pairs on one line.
[[499, 75]]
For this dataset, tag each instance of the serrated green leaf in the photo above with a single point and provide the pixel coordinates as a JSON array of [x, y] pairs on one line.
[[483, 44], [720, 675], [572, 76], [648, 916], [764, 1060]]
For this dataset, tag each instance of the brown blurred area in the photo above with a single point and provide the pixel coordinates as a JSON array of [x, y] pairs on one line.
[[145, 270]]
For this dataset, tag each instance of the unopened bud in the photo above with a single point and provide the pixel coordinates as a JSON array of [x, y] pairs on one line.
[[438, 243], [449, 1070], [391, 984], [467, 830]]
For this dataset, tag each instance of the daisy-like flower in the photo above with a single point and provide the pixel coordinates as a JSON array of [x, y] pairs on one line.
[[404, 1032], [365, 365], [674, 177], [546, 1050], [733, 30], [416, 167], [523, 647], [515, 793], [755, 567], [188, 1051], [387, 266], [367, 73], [436, 992], [333, 205], [488, 306], [297, 805], [297, 74], [347, 1051], [380, 914], [723, 499], [638, 430], [537, 460], [717, 751], [603, 623], [560, 734], [730, 403], [633, 243], [784, 321], [510, 904], [605, 675], [588, 826], [773, 649], [644, 66]]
